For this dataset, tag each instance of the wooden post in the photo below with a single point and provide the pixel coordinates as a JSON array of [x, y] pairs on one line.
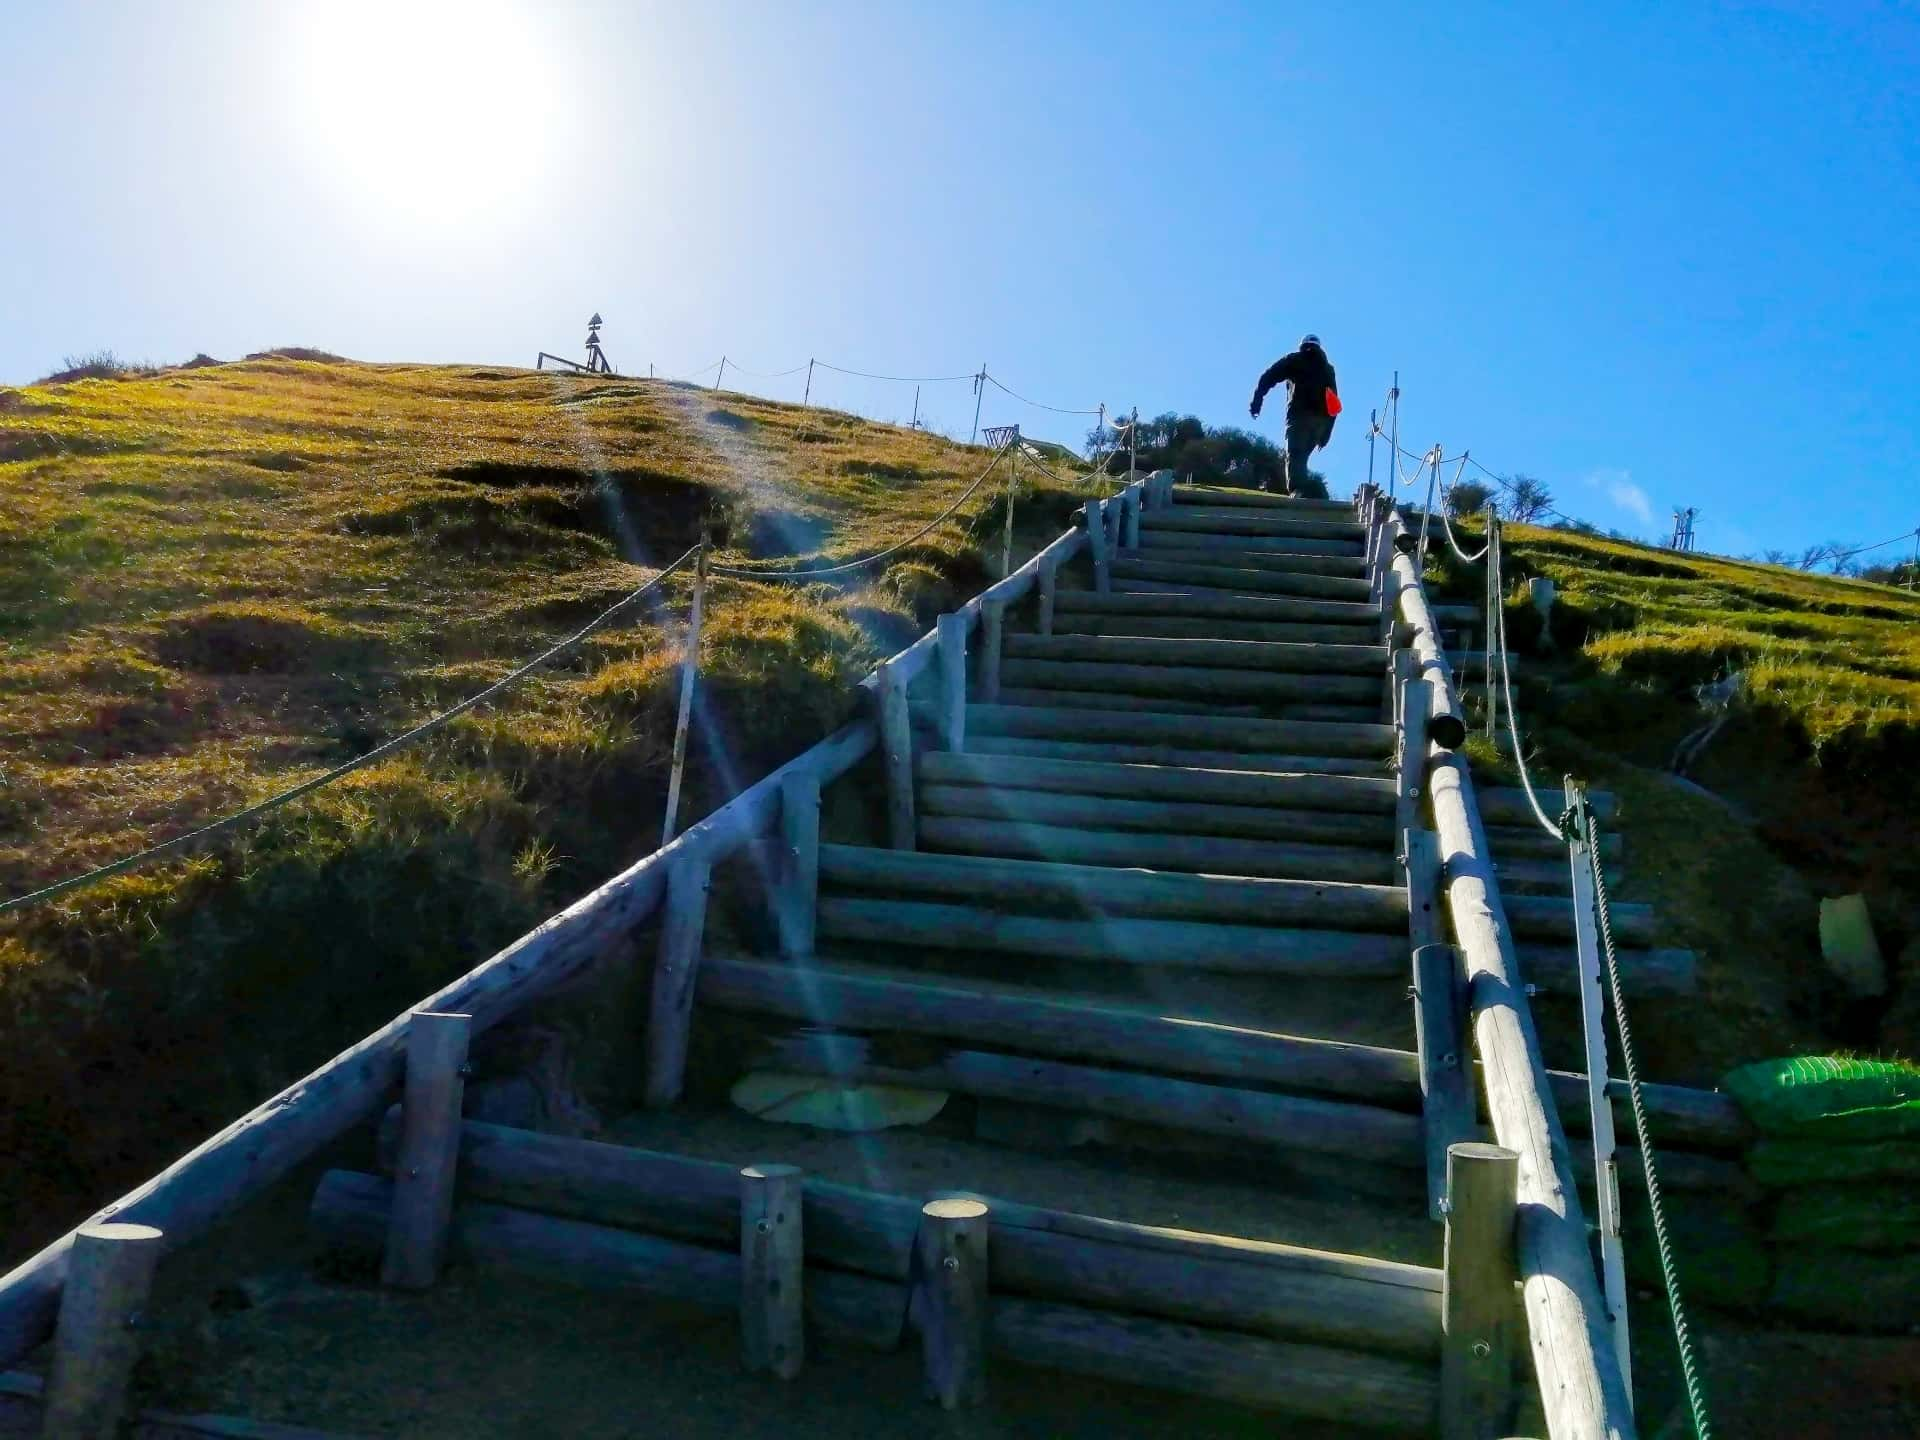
[[1097, 544], [675, 969], [993, 614], [429, 1148], [1416, 700], [1400, 672], [772, 1269], [797, 884], [896, 745], [1049, 581], [952, 631], [96, 1341], [1446, 1096], [1422, 854], [952, 1248], [689, 672], [1130, 519], [1477, 1309]]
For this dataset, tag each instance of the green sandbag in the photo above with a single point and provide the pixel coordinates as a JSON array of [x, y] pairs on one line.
[[1851, 1217], [1848, 1289], [1781, 1164], [1823, 1097]]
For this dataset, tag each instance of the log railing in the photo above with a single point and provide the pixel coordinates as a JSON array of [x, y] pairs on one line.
[[1582, 1392]]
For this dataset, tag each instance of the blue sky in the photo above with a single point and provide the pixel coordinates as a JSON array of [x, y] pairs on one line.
[[1654, 254]]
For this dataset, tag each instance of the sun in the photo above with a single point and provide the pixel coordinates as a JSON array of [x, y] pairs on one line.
[[426, 113]]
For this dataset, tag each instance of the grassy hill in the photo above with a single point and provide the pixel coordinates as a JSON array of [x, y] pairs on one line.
[[216, 581], [1807, 790]]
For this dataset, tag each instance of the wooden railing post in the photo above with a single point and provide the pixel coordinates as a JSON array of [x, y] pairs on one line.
[[1421, 856], [1097, 544], [429, 1149], [1049, 582], [993, 614], [675, 969], [896, 746], [1416, 700], [796, 891], [772, 1269], [952, 630], [1477, 1308], [1446, 1096], [952, 1246], [1130, 517], [96, 1340]]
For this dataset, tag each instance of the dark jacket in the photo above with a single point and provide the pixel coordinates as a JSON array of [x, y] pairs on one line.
[[1308, 375]]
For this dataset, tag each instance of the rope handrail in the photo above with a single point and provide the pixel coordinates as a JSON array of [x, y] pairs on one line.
[[1056, 409], [181, 843], [1446, 521], [899, 379], [739, 572]]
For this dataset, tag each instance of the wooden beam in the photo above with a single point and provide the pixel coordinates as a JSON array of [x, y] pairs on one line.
[[953, 1249], [1349, 794], [1158, 538], [1097, 545], [423, 1190], [1201, 520], [896, 743], [796, 889], [675, 971], [1237, 949], [1096, 890], [1231, 578], [1446, 1094], [772, 1269], [1348, 567], [1476, 1355], [952, 630], [992, 644], [1189, 681], [1219, 732], [1262, 655], [96, 1342], [1173, 756], [1219, 607], [1195, 854]]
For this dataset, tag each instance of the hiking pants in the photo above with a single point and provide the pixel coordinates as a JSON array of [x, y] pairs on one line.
[[1305, 434]]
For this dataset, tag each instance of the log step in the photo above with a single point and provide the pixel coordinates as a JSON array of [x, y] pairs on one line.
[[1097, 890], [1228, 542], [1350, 793], [1262, 500], [1240, 521], [1196, 854], [1370, 741], [1176, 627], [1218, 607], [1020, 1018], [1503, 805], [1173, 944], [1254, 561], [1263, 655], [1171, 755], [1331, 1127], [1013, 806], [1039, 697], [1192, 681], [1243, 580], [1551, 917]]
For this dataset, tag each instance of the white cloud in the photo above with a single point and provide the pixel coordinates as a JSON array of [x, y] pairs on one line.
[[1620, 489]]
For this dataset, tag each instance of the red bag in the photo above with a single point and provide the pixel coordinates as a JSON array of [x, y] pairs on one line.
[[1333, 402]]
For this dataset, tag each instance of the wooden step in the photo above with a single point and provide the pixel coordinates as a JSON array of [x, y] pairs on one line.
[[1332, 1127], [1011, 805], [1020, 1018], [1372, 740], [1156, 944], [1262, 500], [1173, 755], [1156, 538], [1503, 805], [1242, 520], [1192, 682], [1537, 917], [1217, 607], [1356, 794], [1097, 890], [1042, 698], [1353, 567], [1555, 969], [1530, 842], [1243, 580], [1274, 657], [1177, 627], [1197, 854]]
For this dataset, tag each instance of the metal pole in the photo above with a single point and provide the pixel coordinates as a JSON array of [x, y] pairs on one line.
[[1373, 432], [721, 373], [1133, 429], [1013, 469], [1393, 440], [807, 394], [689, 668], [916, 409], [1493, 618], [979, 394], [1593, 1005]]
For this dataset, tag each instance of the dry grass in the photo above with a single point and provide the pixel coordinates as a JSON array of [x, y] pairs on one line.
[[216, 581]]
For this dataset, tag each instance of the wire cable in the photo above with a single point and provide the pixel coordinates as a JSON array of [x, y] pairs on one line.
[[766, 375], [735, 572], [901, 379], [379, 752], [1057, 410]]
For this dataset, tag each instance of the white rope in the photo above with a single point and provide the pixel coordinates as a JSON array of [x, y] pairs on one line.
[[1506, 682], [1446, 524]]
